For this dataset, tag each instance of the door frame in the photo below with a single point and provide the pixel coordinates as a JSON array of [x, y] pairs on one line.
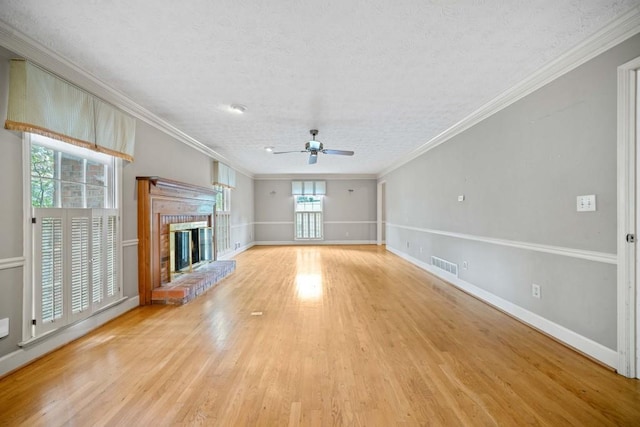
[[628, 188]]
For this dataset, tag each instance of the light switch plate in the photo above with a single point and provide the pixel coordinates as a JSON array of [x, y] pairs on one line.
[[4, 327], [586, 203], [461, 198]]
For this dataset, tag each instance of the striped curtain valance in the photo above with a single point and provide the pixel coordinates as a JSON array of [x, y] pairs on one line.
[[43, 103], [223, 175], [308, 188]]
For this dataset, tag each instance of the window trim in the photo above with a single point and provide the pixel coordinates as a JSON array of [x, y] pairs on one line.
[[28, 302], [296, 212], [86, 155]]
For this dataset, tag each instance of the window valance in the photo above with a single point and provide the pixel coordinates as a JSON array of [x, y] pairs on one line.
[[308, 188], [43, 103], [223, 175]]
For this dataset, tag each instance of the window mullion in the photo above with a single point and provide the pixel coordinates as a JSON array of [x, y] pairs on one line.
[[58, 179]]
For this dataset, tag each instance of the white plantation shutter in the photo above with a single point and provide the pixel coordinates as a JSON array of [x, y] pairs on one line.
[[308, 225], [224, 231], [97, 261], [75, 264], [79, 225], [104, 244], [111, 248], [49, 270]]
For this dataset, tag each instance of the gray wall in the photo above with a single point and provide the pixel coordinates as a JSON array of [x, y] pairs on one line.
[[520, 171], [242, 212], [10, 218], [349, 216]]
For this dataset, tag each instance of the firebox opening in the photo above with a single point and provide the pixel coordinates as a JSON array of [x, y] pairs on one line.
[[191, 245]]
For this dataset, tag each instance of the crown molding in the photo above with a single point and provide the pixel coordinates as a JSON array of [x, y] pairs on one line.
[[24, 46], [617, 31]]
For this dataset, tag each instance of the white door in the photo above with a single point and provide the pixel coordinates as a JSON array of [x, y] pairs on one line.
[[628, 218]]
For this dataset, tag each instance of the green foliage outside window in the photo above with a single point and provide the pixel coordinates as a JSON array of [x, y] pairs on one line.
[[42, 174]]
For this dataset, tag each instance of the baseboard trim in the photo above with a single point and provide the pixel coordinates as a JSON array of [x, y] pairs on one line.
[[314, 242], [30, 353], [572, 339], [350, 222], [232, 255]]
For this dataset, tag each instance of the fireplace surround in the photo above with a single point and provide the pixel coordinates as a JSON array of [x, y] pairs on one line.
[[164, 205]]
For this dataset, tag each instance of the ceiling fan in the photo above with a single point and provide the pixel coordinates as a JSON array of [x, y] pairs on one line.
[[314, 147]]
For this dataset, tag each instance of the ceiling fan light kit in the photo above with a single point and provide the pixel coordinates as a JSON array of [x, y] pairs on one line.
[[238, 108], [314, 147]]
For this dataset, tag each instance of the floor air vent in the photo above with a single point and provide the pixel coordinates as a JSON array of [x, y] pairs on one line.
[[445, 265]]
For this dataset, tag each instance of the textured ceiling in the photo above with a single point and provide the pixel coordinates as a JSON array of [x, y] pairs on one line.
[[379, 77]]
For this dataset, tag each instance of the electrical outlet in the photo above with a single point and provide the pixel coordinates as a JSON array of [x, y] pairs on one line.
[[536, 291], [4, 327], [586, 203], [346, 234], [465, 265]]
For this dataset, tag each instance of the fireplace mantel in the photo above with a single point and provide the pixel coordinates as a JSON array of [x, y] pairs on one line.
[[161, 202]]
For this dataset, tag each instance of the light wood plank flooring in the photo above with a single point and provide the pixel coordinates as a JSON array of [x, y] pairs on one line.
[[349, 335]]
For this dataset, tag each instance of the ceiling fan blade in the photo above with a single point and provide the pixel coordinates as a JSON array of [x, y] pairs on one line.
[[313, 158], [340, 152], [285, 152]]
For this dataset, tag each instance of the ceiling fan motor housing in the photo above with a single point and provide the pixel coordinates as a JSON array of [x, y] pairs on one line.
[[313, 146]]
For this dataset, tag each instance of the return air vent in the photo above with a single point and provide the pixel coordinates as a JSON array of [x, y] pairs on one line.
[[445, 265]]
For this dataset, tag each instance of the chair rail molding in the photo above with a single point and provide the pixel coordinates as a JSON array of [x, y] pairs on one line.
[[555, 250], [7, 263]]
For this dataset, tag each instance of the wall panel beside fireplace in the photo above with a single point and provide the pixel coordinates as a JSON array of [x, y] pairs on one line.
[[162, 202]]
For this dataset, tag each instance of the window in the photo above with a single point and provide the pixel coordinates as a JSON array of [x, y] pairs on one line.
[[308, 217], [73, 178], [75, 236], [223, 219]]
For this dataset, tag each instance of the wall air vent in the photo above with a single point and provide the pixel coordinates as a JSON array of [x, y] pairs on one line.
[[445, 265]]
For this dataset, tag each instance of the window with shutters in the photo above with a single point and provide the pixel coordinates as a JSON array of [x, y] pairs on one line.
[[223, 220], [308, 218], [75, 233]]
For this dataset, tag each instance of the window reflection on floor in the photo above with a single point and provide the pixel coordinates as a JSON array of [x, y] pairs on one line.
[[309, 286]]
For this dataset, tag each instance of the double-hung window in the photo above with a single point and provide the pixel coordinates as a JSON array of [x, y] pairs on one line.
[[75, 236], [223, 219], [308, 197], [308, 217]]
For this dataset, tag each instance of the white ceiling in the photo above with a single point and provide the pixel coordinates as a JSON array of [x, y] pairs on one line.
[[379, 77]]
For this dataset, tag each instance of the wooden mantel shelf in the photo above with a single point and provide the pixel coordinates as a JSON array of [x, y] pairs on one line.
[[161, 202]]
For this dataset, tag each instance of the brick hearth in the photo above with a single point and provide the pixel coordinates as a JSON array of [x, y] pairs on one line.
[[186, 287]]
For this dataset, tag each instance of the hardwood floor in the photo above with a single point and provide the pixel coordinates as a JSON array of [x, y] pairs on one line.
[[348, 335]]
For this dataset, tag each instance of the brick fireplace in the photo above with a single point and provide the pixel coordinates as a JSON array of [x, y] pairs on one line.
[[164, 208]]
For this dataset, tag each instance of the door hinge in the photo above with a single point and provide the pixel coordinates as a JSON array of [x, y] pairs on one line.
[[631, 238], [33, 321], [33, 220]]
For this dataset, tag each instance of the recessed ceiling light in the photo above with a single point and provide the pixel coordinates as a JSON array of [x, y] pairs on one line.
[[238, 108], [269, 149]]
